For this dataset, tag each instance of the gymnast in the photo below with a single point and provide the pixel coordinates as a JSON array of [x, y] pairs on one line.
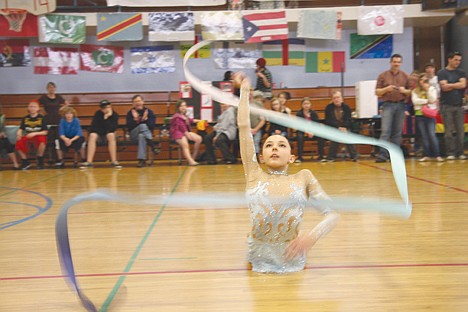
[[276, 201]]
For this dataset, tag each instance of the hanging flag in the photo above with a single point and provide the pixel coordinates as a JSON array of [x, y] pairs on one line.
[[371, 47], [14, 53], [380, 20], [119, 26], [325, 62], [171, 26], [164, 3], [56, 61], [320, 24], [236, 55], [28, 27], [55, 28], [97, 58], [267, 26], [272, 52], [203, 52], [149, 60], [296, 52], [221, 25]]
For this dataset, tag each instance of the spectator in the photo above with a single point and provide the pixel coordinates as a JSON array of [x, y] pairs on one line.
[[275, 128], [6, 145], [103, 126], [264, 79], [257, 122], [141, 122], [33, 129], [283, 98], [308, 114], [70, 135], [452, 81]]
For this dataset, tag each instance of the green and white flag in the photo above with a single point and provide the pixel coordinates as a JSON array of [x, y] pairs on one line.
[[55, 28]]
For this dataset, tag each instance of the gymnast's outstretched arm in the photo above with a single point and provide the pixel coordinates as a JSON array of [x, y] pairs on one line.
[[246, 142]]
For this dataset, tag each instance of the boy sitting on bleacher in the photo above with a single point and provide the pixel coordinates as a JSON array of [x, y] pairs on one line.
[[70, 135], [5, 144]]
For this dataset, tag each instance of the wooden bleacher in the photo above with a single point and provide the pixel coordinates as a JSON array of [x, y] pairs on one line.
[[14, 106]]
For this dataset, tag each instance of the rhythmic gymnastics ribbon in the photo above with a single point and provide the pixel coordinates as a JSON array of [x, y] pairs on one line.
[[396, 156]]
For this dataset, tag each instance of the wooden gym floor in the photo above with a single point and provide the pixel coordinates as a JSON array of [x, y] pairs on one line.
[[162, 258]]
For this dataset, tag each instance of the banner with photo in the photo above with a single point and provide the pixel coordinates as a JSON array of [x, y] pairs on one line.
[[150, 60], [54, 28], [14, 53], [171, 26]]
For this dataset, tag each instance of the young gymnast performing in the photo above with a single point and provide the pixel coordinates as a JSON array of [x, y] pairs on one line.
[[277, 200]]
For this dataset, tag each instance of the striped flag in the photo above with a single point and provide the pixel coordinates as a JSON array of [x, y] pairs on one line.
[[28, 29], [150, 60], [97, 58], [371, 46], [56, 61], [14, 53], [171, 26], [325, 62], [273, 52], [119, 26], [296, 52], [221, 26], [319, 24], [380, 20], [55, 28], [267, 26]]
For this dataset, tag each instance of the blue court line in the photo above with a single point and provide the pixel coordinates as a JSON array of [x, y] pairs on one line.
[[121, 279]]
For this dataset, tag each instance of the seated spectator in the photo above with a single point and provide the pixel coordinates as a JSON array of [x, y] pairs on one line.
[[181, 132], [257, 122], [103, 126], [338, 115], [223, 133], [141, 122], [33, 129], [273, 127], [283, 99], [5, 144], [308, 114], [70, 135]]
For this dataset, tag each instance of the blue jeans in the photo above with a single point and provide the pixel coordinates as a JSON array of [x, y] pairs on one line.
[[426, 127], [453, 119], [393, 117], [141, 133]]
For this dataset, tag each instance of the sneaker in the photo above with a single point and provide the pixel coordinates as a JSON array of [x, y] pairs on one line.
[[298, 160], [75, 164], [331, 160], [141, 163], [25, 164], [59, 164], [86, 165], [451, 157], [324, 160], [40, 162], [424, 159], [439, 159], [380, 160], [355, 159], [116, 165], [462, 157]]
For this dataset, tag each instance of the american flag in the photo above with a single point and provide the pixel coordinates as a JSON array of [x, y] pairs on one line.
[[267, 26]]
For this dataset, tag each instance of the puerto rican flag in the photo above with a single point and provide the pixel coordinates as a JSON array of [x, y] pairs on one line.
[[267, 26]]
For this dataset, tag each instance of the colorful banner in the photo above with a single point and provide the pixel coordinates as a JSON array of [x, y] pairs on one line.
[[27, 29], [222, 25], [231, 55], [325, 62], [14, 53], [267, 26], [56, 61], [296, 52], [150, 60], [371, 47], [95, 58], [119, 26], [55, 28], [272, 52], [380, 20], [320, 24], [164, 3], [171, 26], [204, 52]]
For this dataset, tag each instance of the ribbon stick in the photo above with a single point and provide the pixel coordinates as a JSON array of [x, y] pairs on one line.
[[396, 156]]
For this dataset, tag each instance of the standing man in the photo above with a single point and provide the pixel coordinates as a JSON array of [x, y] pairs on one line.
[[264, 79], [452, 84], [140, 123], [392, 89], [338, 115]]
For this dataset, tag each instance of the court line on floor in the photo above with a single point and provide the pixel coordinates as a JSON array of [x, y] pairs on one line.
[[319, 267], [419, 179], [137, 251]]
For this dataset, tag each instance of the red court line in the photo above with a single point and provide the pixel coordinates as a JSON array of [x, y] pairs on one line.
[[326, 267], [419, 179]]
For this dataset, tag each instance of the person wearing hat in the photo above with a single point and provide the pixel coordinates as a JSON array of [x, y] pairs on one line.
[[103, 126], [264, 78]]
